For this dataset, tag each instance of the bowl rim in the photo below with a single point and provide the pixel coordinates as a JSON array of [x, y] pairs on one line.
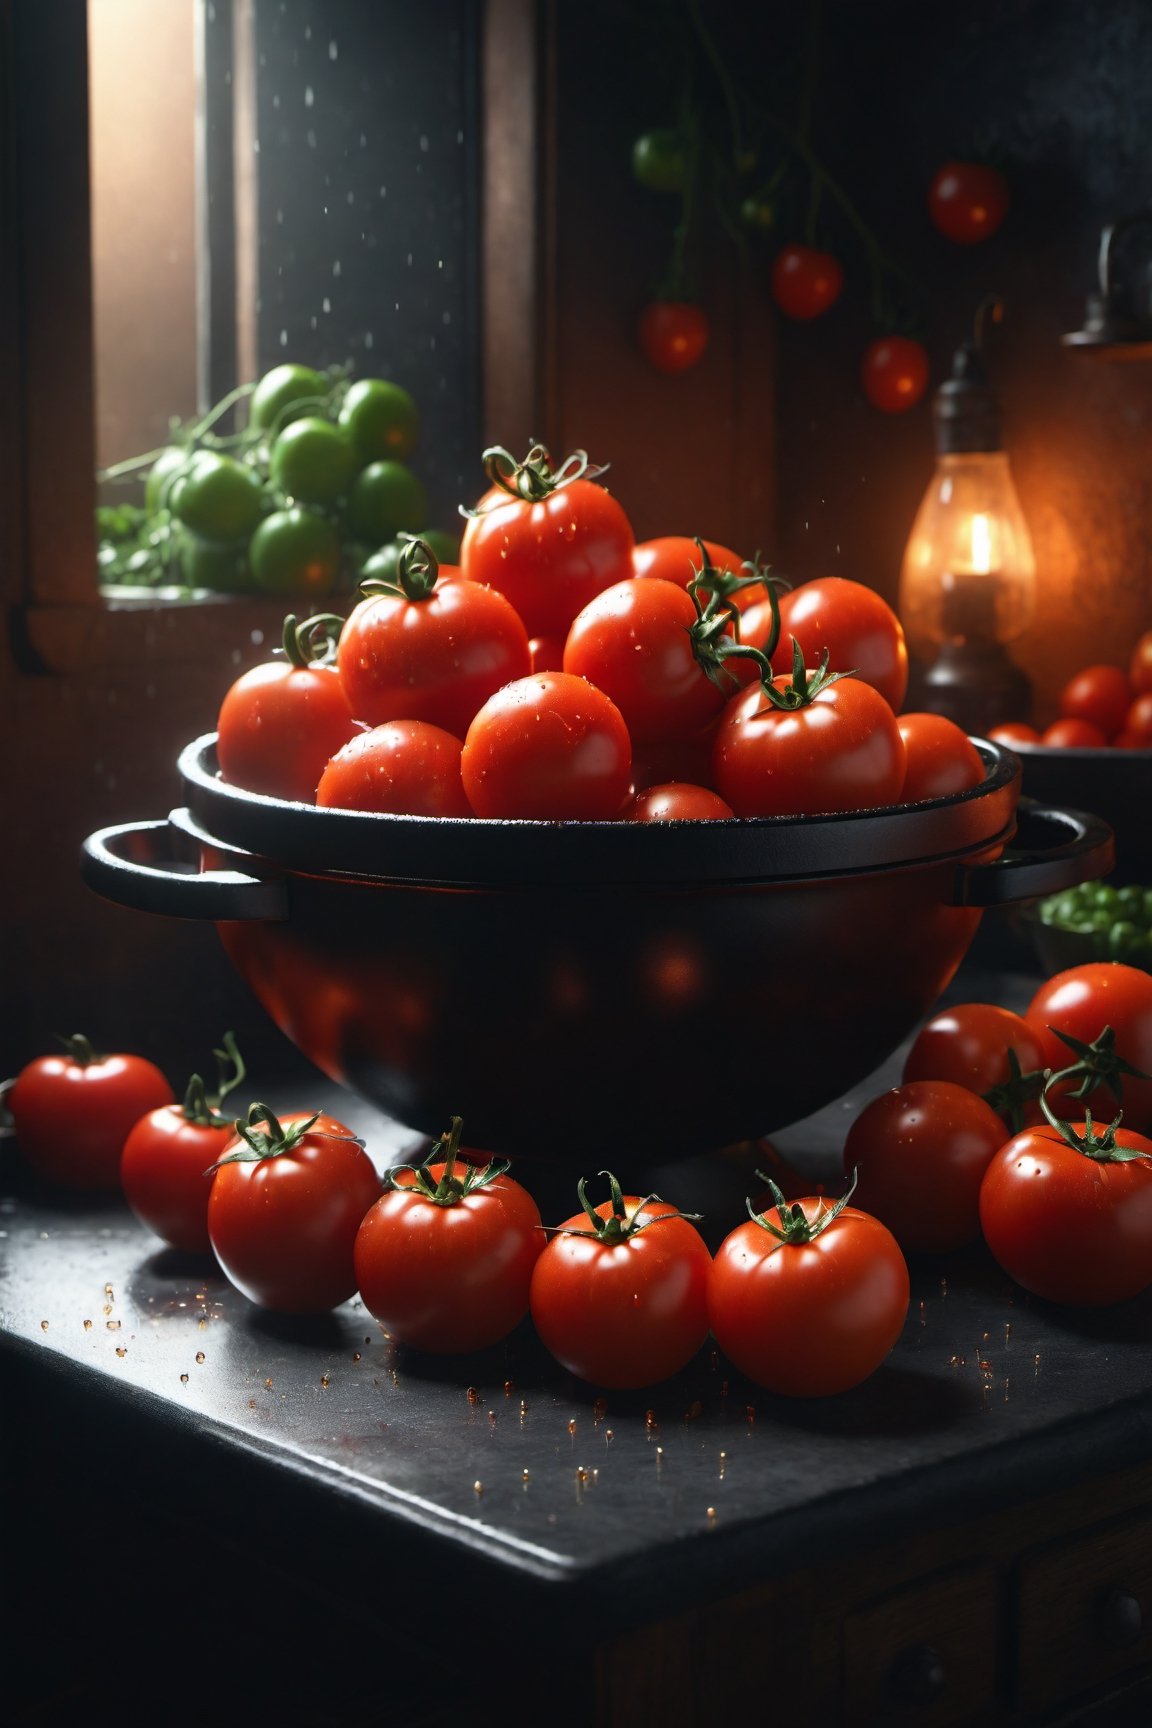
[[475, 851]]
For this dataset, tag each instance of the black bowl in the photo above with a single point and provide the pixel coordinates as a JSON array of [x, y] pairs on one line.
[[1115, 785], [571, 987]]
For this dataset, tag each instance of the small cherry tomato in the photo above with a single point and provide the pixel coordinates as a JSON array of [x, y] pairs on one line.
[[811, 1302], [217, 496], [620, 1294], [673, 334], [894, 373], [165, 1167], [549, 748], [72, 1113], [381, 420], [941, 758], [429, 646], [855, 626], [403, 768], [920, 1152], [678, 801], [805, 282], [1014, 732], [285, 392], [1101, 695], [1073, 735], [286, 1201], [660, 160], [444, 1258], [281, 721], [988, 1049], [1066, 1210], [1137, 732], [967, 201], [313, 461], [1140, 665], [294, 551]]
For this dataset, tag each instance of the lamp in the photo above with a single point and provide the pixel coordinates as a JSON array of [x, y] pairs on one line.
[[967, 585], [1118, 316]]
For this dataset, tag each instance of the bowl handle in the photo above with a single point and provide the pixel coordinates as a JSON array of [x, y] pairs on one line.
[[137, 864], [1052, 850]]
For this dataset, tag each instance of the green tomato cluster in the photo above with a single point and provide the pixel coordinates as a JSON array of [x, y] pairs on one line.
[[317, 484], [1118, 920]]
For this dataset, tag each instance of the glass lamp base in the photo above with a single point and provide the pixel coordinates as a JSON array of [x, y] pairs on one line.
[[976, 684]]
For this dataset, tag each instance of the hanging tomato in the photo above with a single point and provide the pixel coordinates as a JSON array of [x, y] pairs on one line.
[[805, 282], [894, 373], [967, 201], [673, 334]]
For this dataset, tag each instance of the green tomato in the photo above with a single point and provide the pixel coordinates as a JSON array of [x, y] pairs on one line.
[[313, 461], [1147, 914], [381, 420], [1061, 909], [284, 394], [444, 547], [295, 552], [758, 211], [659, 161], [1125, 940], [386, 499], [157, 485], [218, 497], [208, 564], [1130, 902], [1104, 897]]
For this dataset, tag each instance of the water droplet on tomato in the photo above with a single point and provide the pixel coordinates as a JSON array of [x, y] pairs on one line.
[[43, 1325], [183, 1379], [87, 1325], [200, 1356]]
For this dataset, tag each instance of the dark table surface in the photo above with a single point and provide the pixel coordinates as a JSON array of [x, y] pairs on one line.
[[631, 1505]]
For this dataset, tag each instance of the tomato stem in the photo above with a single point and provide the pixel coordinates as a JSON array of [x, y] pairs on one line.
[[203, 1108], [79, 1049], [534, 479], [1096, 1064], [417, 572], [312, 643], [1011, 1095], [450, 1189], [620, 1225], [1096, 1143], [795, 1227]]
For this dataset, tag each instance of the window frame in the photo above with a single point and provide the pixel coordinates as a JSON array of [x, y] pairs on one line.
[[57, 620]]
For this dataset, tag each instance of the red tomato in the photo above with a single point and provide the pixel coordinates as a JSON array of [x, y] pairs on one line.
[[813, 1313], [1140, 665], [894, 373], [168, 1156], [1101, 695], [805, 282], [970, 1045], [550, 748], [920, 1152], [406, 767], [280, 721], [620, 1294], [444, 1259], [1082, 1002], [967, 201], [1068, 1219], [1073, 735], [1137, 733], [1014, 732], [859, 630], [676, 558], [678, 802], [941, 759], [286, 1202], [432, 647], [838, 750], [673, 334], [72, 1113], [551, 552], [636, 643]]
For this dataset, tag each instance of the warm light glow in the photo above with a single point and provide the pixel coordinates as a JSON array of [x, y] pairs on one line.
[[969, 573]]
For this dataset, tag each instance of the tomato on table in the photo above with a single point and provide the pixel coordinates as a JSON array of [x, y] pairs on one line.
[[429, 645], [854, 625], [673, 334], [1100, 695], [811, 744], [402, 768], [286, 1201], [808, 1304], [920, 1152], [1094, 1023], [72, 1113], [619, 1295], [967, 201], [678, 801], [988, 1049], [805, 282], [1066, 1210], [548, 748], [281, 721], [444, 1258], [941, 759], [552, 545], [894, 373], [168, 1155]]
